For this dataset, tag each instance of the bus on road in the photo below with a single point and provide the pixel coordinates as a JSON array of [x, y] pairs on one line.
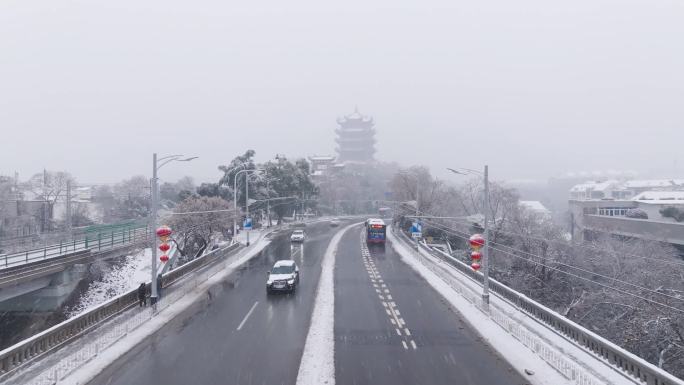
[[376, 231]]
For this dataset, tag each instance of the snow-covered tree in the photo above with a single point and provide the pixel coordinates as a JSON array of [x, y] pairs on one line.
[[197, 220]]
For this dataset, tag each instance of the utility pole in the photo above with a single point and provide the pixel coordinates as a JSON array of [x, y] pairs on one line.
[[417, 200], [268, 201], [45, 203], [235, 179], [69, 213], [153, 230], [485, 253], [247, 203], [153, 215]]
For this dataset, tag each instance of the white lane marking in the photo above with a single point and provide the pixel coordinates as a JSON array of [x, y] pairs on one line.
[[247, 316], [389, 305]]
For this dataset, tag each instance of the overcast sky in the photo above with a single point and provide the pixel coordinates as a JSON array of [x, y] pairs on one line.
[[535, 88]]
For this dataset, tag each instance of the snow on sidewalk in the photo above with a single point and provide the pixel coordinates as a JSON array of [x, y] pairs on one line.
[[510, 348], [70, 365], [564, 354]]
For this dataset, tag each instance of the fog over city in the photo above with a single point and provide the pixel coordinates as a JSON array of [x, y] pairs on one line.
[[309, 192], [534, 88]]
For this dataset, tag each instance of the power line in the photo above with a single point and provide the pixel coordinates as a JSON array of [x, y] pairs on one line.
[[576, 276], [587, 247], [580, 269]]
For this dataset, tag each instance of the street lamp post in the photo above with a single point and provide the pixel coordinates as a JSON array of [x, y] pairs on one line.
[[246, 199], [247, 205], [153, 215], [485, 249]]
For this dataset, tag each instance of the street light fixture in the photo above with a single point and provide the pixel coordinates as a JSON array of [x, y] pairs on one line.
[[485, 249], [153, 217], [246, 198]]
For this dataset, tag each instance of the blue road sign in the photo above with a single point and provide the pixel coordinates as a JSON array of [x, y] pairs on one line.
[[416, 229], [247, 225]]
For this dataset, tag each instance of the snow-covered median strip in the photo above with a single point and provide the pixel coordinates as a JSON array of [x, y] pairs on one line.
[[317, 366]]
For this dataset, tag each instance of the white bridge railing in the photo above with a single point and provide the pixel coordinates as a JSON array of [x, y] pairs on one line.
[[47, 341], [607, 352]]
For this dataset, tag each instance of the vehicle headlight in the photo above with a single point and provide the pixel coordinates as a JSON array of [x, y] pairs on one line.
[[269, 283], [290, 281]]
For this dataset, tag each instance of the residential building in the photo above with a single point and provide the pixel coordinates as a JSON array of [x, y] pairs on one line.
[[640, 209]]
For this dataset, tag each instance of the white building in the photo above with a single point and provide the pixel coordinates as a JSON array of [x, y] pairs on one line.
[[619, 190], [632, 208], [537, 208]]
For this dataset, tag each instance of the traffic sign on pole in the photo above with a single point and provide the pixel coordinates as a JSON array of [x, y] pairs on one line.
[[416, 230], [247, 225]]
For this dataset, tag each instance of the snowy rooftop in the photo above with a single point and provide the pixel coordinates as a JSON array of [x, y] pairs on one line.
[[654, 183], [660, 197], [322, 158], [596, 186], [535, 206]]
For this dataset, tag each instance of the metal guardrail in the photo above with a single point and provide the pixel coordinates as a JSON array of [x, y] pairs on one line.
[[626, 362], [25, 351], [94, 243]]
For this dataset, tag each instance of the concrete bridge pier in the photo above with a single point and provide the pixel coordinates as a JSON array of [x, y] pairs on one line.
[[43, 295]]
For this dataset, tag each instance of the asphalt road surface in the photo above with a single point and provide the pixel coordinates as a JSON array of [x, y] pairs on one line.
[[247, 337], [391, 327]]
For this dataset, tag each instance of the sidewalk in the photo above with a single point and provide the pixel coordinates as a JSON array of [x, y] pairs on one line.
[[89, 354], [553, 359]]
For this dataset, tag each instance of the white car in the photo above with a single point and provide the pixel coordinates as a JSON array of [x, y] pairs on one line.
[[335, 222], [283, 277], [297, 236]]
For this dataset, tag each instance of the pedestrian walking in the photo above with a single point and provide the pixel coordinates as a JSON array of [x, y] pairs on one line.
[[141, 294]]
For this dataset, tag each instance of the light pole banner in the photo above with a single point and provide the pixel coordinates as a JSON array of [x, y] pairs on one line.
[[247, 224]]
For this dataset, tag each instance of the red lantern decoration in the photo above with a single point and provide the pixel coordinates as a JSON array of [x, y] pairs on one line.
[[476, 266], [476, 255], [164, 231], [476, 241], [164, 247], [164, 258]]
